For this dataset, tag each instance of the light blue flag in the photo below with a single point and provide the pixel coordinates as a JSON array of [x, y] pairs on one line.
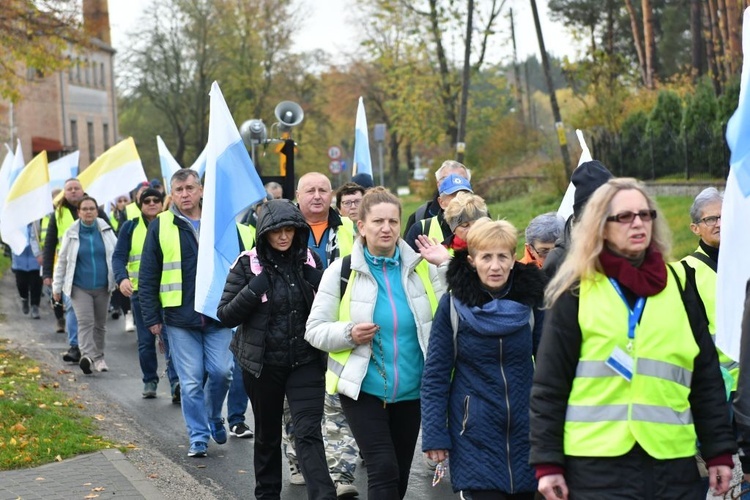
[[168, 164], [200, 164], [63, 169], [231, 185], [362, 160], [734, 266]]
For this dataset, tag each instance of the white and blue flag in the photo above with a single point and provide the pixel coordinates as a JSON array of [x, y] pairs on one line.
[[168, 164], [63, 169], [232, 184], [362, 159], [734, 266]]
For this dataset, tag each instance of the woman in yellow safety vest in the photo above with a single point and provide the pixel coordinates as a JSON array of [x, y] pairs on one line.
[[627, 379], [373, 315]]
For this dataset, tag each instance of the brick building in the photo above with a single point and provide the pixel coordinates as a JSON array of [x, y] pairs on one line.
[[70, 110]]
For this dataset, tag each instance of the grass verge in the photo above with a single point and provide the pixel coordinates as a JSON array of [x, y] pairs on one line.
[[39, 423]]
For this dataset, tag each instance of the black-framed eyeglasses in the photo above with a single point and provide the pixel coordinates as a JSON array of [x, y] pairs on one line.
[[629, 217], [709, 221], [541, 252], [351, 203], [151, 201]]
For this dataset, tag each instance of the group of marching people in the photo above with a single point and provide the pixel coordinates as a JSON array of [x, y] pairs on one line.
[[585, 369]]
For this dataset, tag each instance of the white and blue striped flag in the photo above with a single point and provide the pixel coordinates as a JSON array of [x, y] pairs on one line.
[[168, 164], [362, 159], [232, 184], [734, 266]]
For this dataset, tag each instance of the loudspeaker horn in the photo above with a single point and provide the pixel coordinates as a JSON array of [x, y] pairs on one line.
[[253, 132], [289, 114]]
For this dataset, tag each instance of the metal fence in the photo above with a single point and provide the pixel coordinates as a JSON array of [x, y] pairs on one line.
[[701, 153]]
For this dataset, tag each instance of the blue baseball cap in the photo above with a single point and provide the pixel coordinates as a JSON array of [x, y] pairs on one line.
[[453, 184]]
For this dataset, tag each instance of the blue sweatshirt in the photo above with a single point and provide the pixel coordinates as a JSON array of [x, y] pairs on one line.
[[91, 263], [395, 348]]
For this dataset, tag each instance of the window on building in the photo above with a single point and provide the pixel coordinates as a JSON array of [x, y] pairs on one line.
[[90, 130], [74, 133], [101, 75], [87, 69], [70, 70], [105, 130], [78, 70]]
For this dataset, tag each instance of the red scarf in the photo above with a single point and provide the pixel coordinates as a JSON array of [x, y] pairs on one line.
[[458, 243], [645, 281]]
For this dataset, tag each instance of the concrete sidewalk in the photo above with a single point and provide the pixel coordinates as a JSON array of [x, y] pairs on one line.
[[104, 474]]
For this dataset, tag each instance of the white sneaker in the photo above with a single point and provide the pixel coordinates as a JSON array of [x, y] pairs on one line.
[[100, 365], [295, 475], [129, 325]]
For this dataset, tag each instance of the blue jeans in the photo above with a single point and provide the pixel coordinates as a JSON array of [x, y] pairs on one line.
[[71, 322], [147, 356], [197, 353], [237, 397]]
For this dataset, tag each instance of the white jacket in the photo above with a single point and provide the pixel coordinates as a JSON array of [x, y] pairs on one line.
[[327, 333], [65, 269]]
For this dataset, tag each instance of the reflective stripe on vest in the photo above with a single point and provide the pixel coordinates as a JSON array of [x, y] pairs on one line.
[[436, 231], [705, 281], [606, 414], [137, 239], [170, 286], [337, 360]]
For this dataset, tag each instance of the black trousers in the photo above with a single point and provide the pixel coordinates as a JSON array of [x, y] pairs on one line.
[[29, 285], [386, 437], [304, 388], [119, 301]]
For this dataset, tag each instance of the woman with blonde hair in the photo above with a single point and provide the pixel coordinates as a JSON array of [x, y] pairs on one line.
[[477, 377], [460, 214], [627, 378]]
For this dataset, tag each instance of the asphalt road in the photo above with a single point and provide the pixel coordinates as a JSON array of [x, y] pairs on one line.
[[228, 469]]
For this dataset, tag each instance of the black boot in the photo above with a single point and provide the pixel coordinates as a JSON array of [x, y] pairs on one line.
[[73, 355], [25, 306]]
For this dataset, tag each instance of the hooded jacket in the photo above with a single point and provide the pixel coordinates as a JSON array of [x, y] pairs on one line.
[[270, 304], [481, 379]]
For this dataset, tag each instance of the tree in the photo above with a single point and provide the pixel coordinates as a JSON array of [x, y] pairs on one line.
[[36, 34]]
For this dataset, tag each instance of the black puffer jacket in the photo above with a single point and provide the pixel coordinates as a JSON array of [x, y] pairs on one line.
[[269, 295]]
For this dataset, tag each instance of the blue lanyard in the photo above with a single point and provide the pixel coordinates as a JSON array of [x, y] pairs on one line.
[[635, 313]]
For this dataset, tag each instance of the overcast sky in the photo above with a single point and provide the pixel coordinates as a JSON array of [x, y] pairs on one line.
[[329, 28]]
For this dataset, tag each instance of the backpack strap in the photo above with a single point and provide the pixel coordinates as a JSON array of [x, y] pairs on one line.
[[346, 272], [706, 260], [691, 300]]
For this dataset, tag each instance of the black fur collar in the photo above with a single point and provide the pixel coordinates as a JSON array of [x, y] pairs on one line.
[[525, 285]]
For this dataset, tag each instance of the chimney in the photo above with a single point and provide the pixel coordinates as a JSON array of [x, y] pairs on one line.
[[96, 20]]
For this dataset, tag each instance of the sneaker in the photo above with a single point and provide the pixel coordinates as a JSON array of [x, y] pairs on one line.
[[149, 390], [25, 306], [129, 325], [240, 430], [345, 489], [85, 364], [295, 475], [73, 355], [218, 431], [60, 325], [176, 399], [198, 449], [116, 313], [35, 312]]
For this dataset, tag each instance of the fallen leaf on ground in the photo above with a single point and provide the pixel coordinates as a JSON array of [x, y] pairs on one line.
[[100, 417], [98, 488], [57, 403], [91, 496], [153, 476], [58, 458], [18, 427], [40, 479]]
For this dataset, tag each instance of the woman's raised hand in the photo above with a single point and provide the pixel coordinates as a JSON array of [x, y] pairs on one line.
[[432, 250]]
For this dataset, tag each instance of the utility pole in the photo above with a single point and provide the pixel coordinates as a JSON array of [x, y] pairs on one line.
[[517, 71], [552, 97], [460, 139]]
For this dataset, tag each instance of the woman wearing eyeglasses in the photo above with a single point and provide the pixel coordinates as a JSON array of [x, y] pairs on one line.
[[627, 379], [84, 273], [541, 235]]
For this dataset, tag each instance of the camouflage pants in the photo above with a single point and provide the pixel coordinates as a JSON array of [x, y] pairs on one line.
[[341, 448]]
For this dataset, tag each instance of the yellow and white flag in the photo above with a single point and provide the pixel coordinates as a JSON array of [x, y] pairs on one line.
[[115, 172], [28, 200]]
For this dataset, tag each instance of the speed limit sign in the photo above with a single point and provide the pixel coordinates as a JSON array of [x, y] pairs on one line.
[[335, 167], [334, 152]]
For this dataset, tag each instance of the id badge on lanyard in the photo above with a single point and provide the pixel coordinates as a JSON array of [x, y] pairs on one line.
[[620, 361]]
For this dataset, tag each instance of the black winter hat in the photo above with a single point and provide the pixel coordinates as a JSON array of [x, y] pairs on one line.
[[364, 180], [150, 192], [587, 178]]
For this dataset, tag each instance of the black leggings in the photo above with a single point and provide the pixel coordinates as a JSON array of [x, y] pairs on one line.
[[29, 285], [387, 437]]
